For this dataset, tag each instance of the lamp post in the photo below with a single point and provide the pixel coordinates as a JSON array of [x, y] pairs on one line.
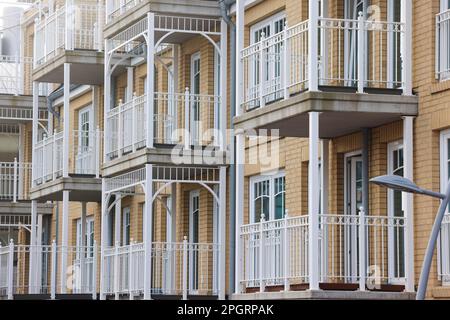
[[405, 185]]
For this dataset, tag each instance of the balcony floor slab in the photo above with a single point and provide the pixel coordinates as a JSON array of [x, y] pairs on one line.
[[24, 207], [87, 189], [341, 113]]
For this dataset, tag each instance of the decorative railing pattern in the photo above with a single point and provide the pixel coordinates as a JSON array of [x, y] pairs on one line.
[[77, 25], [15, 180], [15, 75], [174, 112], [177, 269], [443, 45], [352, 53], [276, 253]]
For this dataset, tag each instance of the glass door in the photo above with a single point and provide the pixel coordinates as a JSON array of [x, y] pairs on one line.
[[194, 212], [84, 158], [195, 101]]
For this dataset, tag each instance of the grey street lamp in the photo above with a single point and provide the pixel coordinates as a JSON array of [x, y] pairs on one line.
[[406, 185]]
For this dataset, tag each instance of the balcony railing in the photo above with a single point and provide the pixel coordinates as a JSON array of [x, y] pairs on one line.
[[173, 113], [352, 53], [115, 8], [444, 252], [15, 261], [15, 180], [85, 148], [76, 26], [15, 75], [177, 269], [276, 252], [443, 45]]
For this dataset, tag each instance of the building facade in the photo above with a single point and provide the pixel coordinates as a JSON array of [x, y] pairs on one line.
[[132, 186]]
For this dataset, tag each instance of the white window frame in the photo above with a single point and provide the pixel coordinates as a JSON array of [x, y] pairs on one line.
[[126, 212], [443, 251], [441, 58], [194, 272], [260, 178], [194, 125], [393, 146]]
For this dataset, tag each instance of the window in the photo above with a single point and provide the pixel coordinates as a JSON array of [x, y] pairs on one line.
[[443, 41], [195, 105], [126, 226], [194, 213], [267, 197], [444, 237]]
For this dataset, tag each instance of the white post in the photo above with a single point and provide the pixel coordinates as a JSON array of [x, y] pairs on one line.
[[150, 78], [147, 231], [262, 71], [286, 64], [94, 270], [130, 83], [97, 151], [185, 268], [131, 287], [172, 239], [223, 85], [313, 200], [406, 46], [408, 149], [361, 53], [187, 119], [240, 169], [117, 218], [240, 34], [54, 156], [33, 242], [83, 248], [53, 271], [262, 285], [313, 40], [325, 156], [39, 250], [362, 249], [222, 232], [116, 271], [15, 175], [120, 131], [66, 124], [286, 253], [11, 270], [35, 129], [104, 238], [64, 241], [107, 136]]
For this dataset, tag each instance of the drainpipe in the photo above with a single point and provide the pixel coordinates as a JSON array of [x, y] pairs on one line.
[[58, 93], [224, 8]]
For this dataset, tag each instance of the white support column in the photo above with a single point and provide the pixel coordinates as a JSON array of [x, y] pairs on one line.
[[408, 149], [33, 242], [222, 231], [361, 54], [64, 241], [107, 103], [66, 125], [324, 182], [35, 129], [240, 166], [406, 46], [117, 219], [150, 107], [147, 231], [38, 261], [130, 83], [313, 200], [240, 33], [173, 214], [104, 240], [223, 85], [83, 245], [313, 40]]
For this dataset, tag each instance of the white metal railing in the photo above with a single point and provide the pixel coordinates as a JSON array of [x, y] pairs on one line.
[[15, 75], [15, 220], [444, 251], [177, 269], [352, 53], [26, 269], [115, 8], [76, 25], [85, 155], [443, 45], [24, 114], [15, 180], [127, 128], [276, 252]]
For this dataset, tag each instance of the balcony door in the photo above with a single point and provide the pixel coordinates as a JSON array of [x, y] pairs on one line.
[[353, 202], [396, 236], [195, 102], [85, 156], [169, 123], [194, 221], [84, 256]]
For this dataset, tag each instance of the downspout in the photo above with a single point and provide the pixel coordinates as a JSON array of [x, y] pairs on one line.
[[224, 8], [58, 93]]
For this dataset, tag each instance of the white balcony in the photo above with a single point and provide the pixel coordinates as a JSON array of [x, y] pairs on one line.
[[116, 8], [177, 269], [85, 155], [277, 67], [180, 118], [276, 253], [77, 25], [15, 181], [443, 45]]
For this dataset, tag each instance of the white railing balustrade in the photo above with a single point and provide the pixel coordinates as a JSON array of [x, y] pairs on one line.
[[115, 8], [444, 251], [78, 25], [177, 269], [443, 45], [48, 158], [87, 151], [14, 73], [276, 252], [15, 180], [352, 53], [127, 126]]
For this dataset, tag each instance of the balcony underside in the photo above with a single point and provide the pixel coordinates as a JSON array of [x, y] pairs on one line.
[[341, 113], [170, 7], [88, 189], [87, 68], [23, 207], [325, 295], [163, 156]]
